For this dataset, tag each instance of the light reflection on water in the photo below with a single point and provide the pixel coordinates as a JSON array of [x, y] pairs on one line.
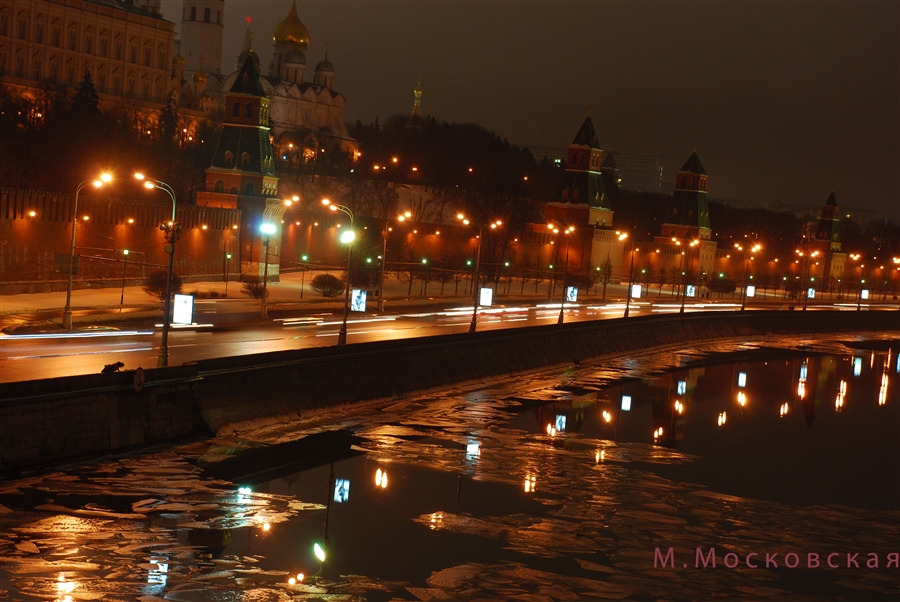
[[469, 495]]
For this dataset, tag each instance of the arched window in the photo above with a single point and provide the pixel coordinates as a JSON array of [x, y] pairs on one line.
[[248, 189], [233, 190], [229, 157], [236, 110], [249, 110], [193, 13], [245, 158], [206, 15], [220, 186]]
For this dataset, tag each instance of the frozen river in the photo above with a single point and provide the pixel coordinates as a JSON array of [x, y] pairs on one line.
[[612, 480]]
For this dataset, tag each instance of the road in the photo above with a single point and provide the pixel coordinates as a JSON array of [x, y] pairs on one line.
[[37, 356]]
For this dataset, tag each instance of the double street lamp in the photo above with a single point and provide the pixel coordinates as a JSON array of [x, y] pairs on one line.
[[753, 249], [171, 231], [347, 238], [387, 229], [555, 228], [96, 183], [475, 290], [693, 244]]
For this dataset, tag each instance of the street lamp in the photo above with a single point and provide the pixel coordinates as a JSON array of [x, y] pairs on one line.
[[124, 267], [475, 291], [753, 249], [171, 231], [693, 244], [567, 231], [96, 183], [807, 265], [630, 284], [384, 234], [268, 229], [347, 238]]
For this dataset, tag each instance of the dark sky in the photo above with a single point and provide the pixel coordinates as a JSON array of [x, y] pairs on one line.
[[784, 101]]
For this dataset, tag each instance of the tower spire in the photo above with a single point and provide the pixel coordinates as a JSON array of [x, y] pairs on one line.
[[417, 104]]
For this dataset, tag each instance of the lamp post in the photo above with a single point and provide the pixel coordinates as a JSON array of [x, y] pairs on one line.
[[693, 244], [387, 229], [268, 229], [630, 285], [171, 231], [753, 249], [475, 290], [808, 265], [227, 270], [346, 238], [567, 231], [124, 266], [96, 183]]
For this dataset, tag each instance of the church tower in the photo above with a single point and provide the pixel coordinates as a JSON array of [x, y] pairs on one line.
[[688, 216], [243, 163], [324, 76], [202, 26], [580, 198], [828, 243], [417, 103]]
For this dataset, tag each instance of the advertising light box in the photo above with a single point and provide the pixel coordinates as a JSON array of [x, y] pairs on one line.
[[635, 291], [183, 309], [357, 300], [486, 297], [571, 294]]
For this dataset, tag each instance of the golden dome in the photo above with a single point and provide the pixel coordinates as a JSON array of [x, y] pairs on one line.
[[178, 59], [200, 76], [292, 31]]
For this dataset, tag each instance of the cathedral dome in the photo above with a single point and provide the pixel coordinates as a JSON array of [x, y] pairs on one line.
[[178, 59], [295, 56], [291, 31], [200, 76], [325, 66]]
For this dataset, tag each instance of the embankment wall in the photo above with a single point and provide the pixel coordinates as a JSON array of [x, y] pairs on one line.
[[58, 420]]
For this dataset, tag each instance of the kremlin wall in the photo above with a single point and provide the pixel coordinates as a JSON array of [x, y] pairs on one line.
[[262, 111]]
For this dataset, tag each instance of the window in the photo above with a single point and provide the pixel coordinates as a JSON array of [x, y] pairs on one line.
[[23, 27], [131, 86], [193, 13], [89, 44], [147, 55], [57, 37], [70, 74], [248, 189], [134, 57], [206, 15], [104, 47], [4, 25], [73, 39], [249, 112], [220, 186], [236, 110], [219, 17], [119, 50], [117, 84], [39, 33], [161, 59], [229, 157], [233, 190], [101, 83], [20, 66], [245, 158], [37, 70], [54, 72]]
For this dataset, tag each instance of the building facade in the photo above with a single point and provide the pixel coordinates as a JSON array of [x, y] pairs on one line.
[[125, 46]]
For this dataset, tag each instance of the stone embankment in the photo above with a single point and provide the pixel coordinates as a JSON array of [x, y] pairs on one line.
[[57, 420]]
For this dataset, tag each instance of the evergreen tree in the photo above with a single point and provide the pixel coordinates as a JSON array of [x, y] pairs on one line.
[[168, 119], [84, 109]]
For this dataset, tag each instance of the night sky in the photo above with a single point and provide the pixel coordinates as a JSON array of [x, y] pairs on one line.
[[784, 101]]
